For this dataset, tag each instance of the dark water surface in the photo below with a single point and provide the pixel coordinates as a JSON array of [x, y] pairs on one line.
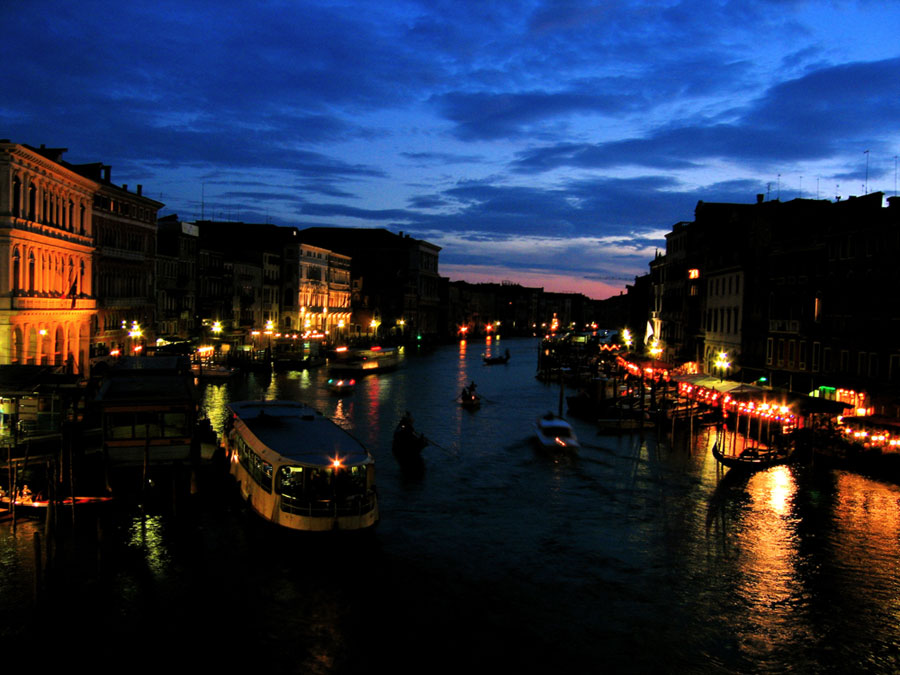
[[636, 556]]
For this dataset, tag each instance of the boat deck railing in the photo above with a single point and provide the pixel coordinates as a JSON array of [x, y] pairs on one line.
[[329, 508]]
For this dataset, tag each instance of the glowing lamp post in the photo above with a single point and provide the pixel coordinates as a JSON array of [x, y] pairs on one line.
[[135, 333], [722, 364]]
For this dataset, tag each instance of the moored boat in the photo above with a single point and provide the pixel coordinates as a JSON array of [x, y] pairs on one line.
[[287, 362], [554, 434], [300, 470], [364, 361], [213, 371], [752, 459]]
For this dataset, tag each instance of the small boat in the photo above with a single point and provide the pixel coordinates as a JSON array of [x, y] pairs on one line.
[[752, 459], [341, 387], [213, 371], [496, 360], [554, 434], [469, 399], [408, 443], [364, 361], [298, 469], [287, 362]]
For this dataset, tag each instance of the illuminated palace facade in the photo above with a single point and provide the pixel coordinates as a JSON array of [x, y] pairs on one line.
[[324, 291], [46, 247]]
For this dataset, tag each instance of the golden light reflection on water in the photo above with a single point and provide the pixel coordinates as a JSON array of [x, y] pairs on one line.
[[867, 528], [148, 534], [769, 582], [215, 398]]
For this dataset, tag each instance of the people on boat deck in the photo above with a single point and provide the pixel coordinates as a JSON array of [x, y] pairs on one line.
[[25, 493]]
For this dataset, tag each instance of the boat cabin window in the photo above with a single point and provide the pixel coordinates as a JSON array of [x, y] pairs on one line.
[[258, 469], [557, 432], [320, 484]]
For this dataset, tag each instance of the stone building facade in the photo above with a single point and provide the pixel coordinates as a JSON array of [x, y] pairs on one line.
[[46, 259]]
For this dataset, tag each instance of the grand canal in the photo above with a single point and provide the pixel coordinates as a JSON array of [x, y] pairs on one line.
[[637, 555]]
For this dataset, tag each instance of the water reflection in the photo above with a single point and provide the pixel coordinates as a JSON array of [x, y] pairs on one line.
[[148, 535], [789, 569], [769, 586]]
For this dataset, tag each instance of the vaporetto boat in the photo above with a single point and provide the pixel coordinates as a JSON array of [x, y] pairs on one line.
[[298, 469]]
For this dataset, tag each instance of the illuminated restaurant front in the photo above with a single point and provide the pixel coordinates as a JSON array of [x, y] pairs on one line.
[[779, 410]]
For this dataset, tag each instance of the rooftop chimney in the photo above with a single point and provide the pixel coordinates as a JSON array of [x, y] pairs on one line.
[[760, 198], [140, 189]]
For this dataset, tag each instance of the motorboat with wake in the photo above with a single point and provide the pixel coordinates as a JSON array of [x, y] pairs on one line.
[[554, 434]]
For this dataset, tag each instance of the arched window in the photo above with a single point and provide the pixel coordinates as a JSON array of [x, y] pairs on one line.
[[81, 221], [17, 197], [31, 348], [32, 202], [16, 281], [59, 347], [70, 222], [16, 351], [29, 285]]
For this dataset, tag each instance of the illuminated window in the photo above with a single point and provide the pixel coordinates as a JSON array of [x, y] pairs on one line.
[[693, 274]]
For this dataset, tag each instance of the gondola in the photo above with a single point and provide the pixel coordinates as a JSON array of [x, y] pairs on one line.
[[496, 360], [470, 400], [408, 443], [752, 459]]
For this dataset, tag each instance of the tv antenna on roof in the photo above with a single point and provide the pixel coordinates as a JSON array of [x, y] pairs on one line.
[[866, 188]]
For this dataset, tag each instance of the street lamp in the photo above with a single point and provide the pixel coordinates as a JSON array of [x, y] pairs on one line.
[[655, 349], [722, 364]]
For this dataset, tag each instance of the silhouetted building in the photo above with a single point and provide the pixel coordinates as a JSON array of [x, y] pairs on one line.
[[791, 294], [177, 280], [124, 227]]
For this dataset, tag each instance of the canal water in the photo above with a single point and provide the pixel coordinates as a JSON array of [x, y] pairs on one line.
[[638, 555]]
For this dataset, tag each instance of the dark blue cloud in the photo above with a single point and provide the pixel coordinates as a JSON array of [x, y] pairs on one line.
[[456, 115], [809, 118]]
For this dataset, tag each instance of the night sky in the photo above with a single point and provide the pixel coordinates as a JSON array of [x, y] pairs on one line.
[[548, 143]]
